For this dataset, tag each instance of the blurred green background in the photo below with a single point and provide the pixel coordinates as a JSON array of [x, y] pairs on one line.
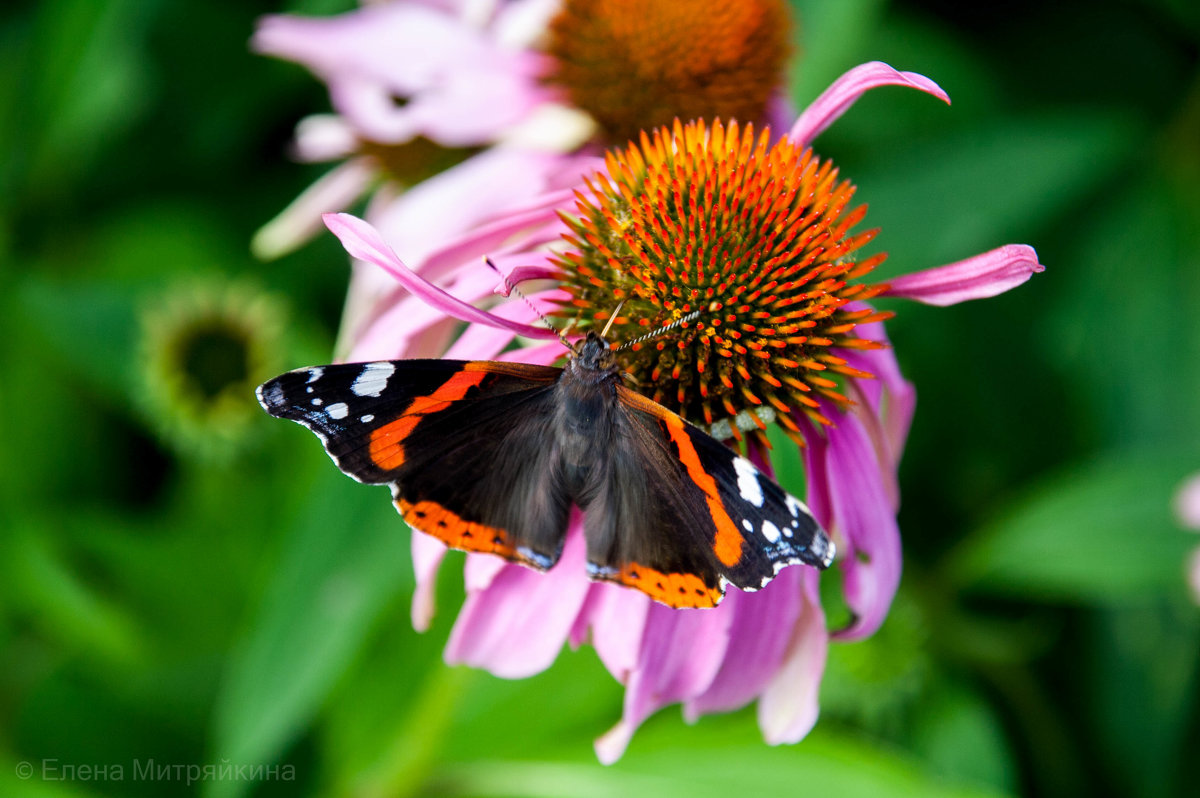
[[184, 581]]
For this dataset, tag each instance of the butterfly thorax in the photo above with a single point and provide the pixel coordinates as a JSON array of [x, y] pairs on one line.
[[588, 403]]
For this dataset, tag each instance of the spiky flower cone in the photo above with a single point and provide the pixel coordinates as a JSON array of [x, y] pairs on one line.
[[757, 238]]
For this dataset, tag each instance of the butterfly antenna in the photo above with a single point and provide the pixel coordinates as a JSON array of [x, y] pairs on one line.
[[512, 289], [695, 314]]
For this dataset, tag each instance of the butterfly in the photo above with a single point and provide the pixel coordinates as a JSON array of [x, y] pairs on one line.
[[491, 456]]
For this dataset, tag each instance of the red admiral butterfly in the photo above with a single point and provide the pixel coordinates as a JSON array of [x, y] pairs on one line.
[[490, 457]]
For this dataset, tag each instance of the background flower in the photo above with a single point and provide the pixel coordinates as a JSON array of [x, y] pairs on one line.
[[155, 606]]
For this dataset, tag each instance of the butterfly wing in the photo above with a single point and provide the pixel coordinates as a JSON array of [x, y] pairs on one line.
[[464, 445], [680, 514]]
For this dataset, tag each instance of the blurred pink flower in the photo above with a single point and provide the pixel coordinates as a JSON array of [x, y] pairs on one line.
[[409, 79], [1187, 510], [461, 94], [770, 645]]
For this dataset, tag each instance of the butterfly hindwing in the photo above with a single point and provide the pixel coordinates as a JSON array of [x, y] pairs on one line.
[[712, 516], [777, 528], [465, 446]]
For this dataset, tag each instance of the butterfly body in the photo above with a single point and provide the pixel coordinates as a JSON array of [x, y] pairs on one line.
[[491, 456]]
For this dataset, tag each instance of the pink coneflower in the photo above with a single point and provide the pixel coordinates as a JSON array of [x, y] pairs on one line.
[[487, 101], [760, 237]]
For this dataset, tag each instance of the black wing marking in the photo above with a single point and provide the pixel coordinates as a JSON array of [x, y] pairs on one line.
[[778, 528], [683, 514], [466, 446]]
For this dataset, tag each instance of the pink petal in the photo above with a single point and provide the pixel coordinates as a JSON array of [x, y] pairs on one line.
[[890, 399], [460, 86], [402, 46], [862, 510], [447, 220], [846, 90], [324, 137], [301, 219], [410, 327], [518, 275], [614, 618], [979, 277], [480, 570], [1187, 503], [518, 624], [363, 241], [788, 707], [427, 554], [681, 652], [759, 636]]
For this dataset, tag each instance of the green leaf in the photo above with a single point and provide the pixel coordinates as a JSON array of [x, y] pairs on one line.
[[831, 37], [43, 586], [723, 757], [1100, 533], [960, 735], [1144, 669], [344, 562], [90, 82], [949, 197]]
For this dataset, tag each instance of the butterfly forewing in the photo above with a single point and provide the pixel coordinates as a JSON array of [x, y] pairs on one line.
[[463, 465]]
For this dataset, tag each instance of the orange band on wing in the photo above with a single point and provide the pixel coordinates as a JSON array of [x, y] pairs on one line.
[[727, 544], [386, 446], [458, 533], [674, 590]]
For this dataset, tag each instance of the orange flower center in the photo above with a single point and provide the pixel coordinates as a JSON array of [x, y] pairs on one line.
[[754, 236], [638, 64]]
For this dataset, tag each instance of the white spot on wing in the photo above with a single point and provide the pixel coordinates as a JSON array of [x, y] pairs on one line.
[[748, 485], [367, 419], [747, 525], [373, 379], [338, 410], [318, 402], [315, 374], [797, 507], [770, 532]]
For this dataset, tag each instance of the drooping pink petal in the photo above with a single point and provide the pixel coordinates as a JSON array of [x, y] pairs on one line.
[[895, 398], [409, 327], [681, 652], [759, 635], [890, 400], [846, 90], [1187, 502], [979, 277], [520, 267], [788, 706], [480, 569], [613, 618], [427, 554], [863, 512], [301, 219], [363, 241], [443, 222], [516, 626]]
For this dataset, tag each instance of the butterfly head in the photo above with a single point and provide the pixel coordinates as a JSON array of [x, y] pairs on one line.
[[594, 354]]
